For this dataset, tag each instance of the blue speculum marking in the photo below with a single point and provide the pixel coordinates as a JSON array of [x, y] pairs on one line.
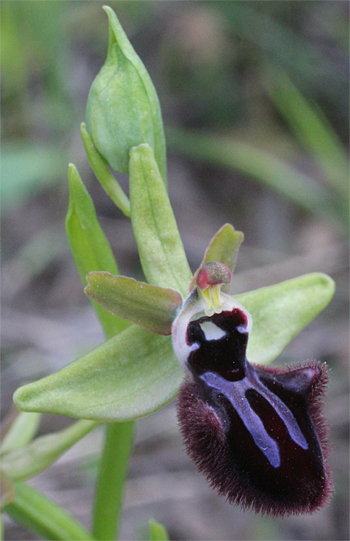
[[280, 408], [221, 364], [235, 393]]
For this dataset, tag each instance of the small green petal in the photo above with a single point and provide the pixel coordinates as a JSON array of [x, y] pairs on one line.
[[129, 376], [158, 240], [153, 308], [281, 311], [223, 247]]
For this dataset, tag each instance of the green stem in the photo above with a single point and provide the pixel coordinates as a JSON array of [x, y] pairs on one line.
[[111, 477], [38, 513]]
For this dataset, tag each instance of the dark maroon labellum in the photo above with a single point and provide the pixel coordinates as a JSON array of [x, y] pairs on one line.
[[257, 433]]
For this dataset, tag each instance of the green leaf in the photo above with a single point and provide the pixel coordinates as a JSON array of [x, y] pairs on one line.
[[29, 460], [21, 431], [268, 170], [38, 513], [223, 247], [312, 128], [152, 307], [1, 527], [158, 240], [99, 166], [90, 248], [135, 373], [123, 109], [26, 169], [129, 376], [7, 490], [281, 311], [157, 532]]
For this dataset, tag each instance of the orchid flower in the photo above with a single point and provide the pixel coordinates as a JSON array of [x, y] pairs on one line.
[[257, 433]]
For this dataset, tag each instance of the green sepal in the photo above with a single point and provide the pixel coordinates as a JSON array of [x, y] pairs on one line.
[[223, 247], [21, 431], [157, 531], [100, 167], [162, 255], [281, 311], [31, 459], [89, 247], [36, 512], [153, 308], [123, 108], [131, 375]]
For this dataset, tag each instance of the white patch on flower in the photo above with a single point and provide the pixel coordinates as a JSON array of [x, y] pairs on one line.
[[212, 331], [192, 310]]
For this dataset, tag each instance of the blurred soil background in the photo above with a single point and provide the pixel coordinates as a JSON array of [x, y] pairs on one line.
[[255, 101]]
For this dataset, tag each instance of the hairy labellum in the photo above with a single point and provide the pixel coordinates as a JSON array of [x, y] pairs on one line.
[[257, 433]]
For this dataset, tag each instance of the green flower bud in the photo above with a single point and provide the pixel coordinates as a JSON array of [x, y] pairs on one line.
[[123, 110]]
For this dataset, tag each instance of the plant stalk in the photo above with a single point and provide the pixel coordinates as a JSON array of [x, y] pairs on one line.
[[110, 482]]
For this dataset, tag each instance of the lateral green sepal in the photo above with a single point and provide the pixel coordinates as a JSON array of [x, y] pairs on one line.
[[131, 375], [281, 311], [152, 307]]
